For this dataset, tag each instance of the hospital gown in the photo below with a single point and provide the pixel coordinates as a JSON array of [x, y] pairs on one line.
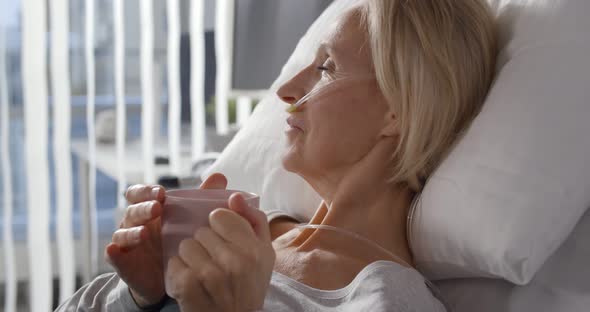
[[381, 286]]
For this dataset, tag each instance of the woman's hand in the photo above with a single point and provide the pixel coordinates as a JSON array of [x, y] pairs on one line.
[[227, 266], [136, 248]]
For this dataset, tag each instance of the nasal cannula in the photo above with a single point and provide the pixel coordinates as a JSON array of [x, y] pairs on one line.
[[325, 88]]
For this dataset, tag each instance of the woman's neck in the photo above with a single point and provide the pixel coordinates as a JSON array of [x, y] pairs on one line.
[[358, 197], [377, 212]]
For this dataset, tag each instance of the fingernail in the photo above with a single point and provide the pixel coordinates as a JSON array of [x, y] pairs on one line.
[[156, 191]]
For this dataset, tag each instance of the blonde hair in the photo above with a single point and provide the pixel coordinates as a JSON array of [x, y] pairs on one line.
[[434, 62]]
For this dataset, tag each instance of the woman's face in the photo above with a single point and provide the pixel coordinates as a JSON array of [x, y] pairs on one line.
[[338, 126]]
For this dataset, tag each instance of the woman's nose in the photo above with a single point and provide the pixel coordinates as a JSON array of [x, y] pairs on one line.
[[293, 90]]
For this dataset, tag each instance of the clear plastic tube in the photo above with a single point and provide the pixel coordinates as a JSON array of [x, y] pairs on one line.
[[327, 88], [435, 291], [355, 236]]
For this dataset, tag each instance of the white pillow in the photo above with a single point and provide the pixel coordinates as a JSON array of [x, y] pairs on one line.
[[513, 188], [517, 183], [561, 285]]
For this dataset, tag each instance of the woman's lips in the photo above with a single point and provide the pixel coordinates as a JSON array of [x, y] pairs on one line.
[[295, 123]]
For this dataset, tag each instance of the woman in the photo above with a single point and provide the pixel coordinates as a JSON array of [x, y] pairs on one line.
[[393, 86]]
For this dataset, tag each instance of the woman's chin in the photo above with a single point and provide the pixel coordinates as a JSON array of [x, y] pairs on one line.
[[291, 157], [291, 160]]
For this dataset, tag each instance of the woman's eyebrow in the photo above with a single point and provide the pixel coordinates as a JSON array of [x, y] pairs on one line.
[[328, 49]]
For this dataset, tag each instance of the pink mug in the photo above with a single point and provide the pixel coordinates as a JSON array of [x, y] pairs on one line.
[[185, 211]]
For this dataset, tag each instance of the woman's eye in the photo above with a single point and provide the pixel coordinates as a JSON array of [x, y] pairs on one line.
[[328, 65]]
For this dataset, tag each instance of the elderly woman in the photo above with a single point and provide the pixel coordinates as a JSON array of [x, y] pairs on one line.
[[392, 87]]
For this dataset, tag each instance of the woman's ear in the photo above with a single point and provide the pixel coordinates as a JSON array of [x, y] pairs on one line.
[[391, 125]]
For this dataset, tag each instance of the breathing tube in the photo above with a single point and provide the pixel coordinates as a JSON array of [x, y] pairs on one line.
[[328, 88]]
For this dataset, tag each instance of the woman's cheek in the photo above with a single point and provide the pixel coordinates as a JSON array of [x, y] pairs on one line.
[[326, 146]]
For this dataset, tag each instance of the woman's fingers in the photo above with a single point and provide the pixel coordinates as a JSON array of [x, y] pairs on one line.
[[141, 213], [130, 237], [225, 254], [215, 181], [192, 253], [211, 242], [224, 274], [213, 278], [183, 285], [247, 272], [232, 228], [255, 217], [140, 193], [112, 253], [115, 255]]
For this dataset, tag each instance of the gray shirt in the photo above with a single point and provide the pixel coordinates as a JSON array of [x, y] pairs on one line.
[[380, 286]]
